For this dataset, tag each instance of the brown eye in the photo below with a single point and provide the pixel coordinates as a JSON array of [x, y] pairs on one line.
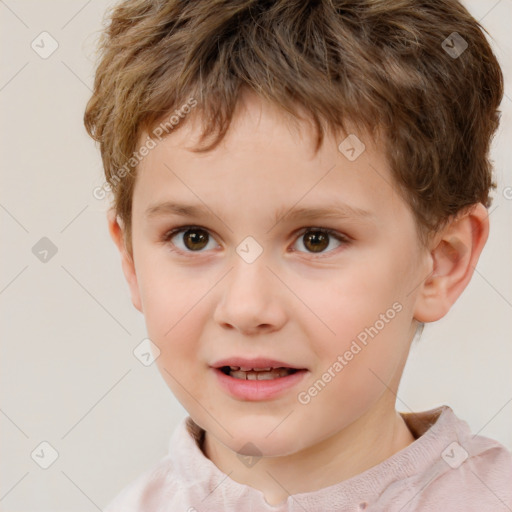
[[195, 239], [188, 239], [316, 241]]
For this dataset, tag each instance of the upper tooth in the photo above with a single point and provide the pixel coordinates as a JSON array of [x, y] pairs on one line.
[[235, 367], [240, 374], [249, 369]]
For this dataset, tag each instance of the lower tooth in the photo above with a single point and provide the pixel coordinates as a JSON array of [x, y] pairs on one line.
[[267, 375], [274, 374]]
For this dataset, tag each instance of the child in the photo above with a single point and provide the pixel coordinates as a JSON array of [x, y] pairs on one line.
[[233, 134]]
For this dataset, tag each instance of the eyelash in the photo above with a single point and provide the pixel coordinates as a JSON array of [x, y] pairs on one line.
[[168, 235]]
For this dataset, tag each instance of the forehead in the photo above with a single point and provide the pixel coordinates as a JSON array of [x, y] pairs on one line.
[[267, 161]]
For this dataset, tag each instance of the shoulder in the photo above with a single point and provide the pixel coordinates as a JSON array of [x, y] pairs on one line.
[[167, 482], [465, 472], [478, 477], [146, 491]]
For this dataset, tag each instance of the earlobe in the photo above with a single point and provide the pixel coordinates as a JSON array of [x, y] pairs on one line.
[[118, 236], [453, 258]]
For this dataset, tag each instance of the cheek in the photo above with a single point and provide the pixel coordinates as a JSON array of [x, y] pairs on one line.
[[369, 324], [352, 377], [173, 322], [168, 294], [172, 312], [350, 301]]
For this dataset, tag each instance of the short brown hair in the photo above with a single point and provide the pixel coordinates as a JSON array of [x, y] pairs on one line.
[[378, 64]]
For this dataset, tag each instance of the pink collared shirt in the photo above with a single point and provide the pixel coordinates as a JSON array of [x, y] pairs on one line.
[[445, 469]]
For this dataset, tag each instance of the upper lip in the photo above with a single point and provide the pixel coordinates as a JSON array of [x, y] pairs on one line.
[[259, 362]]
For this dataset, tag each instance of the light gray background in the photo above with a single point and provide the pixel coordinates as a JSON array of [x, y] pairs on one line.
[[68, 373]]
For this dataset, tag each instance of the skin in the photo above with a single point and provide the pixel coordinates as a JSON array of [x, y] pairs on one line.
[[291, 303]]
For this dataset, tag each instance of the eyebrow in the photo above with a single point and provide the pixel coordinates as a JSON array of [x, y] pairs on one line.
[[332, 211]]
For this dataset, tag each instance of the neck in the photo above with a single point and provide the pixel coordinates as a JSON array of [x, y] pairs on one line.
[[369, 440]]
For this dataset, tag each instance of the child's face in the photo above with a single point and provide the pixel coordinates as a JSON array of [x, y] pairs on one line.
[[204, 302]]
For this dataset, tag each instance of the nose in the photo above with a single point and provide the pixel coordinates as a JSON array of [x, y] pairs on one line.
[[252, 299]]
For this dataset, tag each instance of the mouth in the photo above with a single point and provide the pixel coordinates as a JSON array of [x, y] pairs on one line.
[[257, 379]]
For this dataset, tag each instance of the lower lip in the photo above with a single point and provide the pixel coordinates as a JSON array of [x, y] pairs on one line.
[[258, 389]]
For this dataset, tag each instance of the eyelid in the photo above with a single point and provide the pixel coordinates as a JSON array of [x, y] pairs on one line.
[[330, 231], [341, 237]]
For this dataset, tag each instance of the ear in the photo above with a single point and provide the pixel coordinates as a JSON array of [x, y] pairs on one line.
[[454, 253], [127, 263]]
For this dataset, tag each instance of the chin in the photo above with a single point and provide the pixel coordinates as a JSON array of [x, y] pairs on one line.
[[258, 436]]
